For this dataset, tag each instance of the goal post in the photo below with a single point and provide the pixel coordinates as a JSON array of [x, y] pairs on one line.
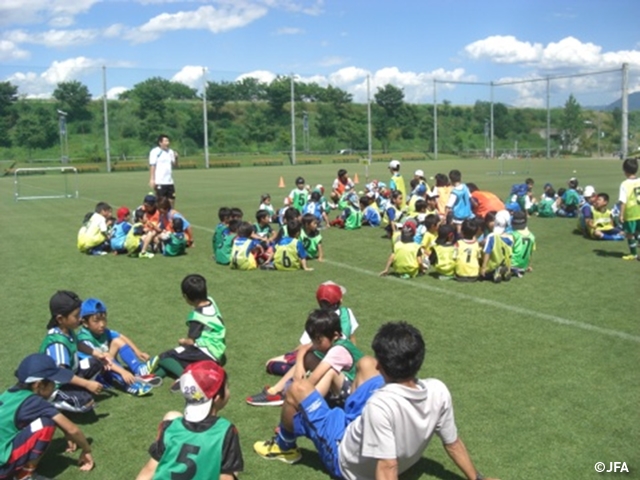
[[39, 183]]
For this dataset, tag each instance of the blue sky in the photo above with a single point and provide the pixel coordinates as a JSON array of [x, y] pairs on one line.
[[408, 43]]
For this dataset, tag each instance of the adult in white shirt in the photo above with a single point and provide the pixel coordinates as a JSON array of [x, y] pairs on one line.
[[161, 162], [387, 421]]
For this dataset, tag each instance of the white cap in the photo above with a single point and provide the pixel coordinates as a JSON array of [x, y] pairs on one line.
[[419, 173], [395, 164], [501, 221], [589, 191]]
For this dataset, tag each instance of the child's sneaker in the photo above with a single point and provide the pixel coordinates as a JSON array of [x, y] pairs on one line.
[[270, 450], [138, 389], [151, 365], [630, 257], [146, 255], [497, 277], [175, 387], [506, 273], [266, 399], [153, 380]]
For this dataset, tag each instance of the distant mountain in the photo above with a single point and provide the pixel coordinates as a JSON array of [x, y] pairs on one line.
[[634, 103]]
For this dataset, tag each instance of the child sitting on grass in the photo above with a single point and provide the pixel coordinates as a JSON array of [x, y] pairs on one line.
[[265, 204], [95, 334], [442, 253], [370, 212], [246, 251], [466, 253], [524, 244], [223, 249], [205, 338], [311, 237], [329, 296], [290, 254], [174, 242], [496, 259], [406, 259], [224, 214], [200, 439], [120, 230], [28, 421], [93, 236], [61, 344]]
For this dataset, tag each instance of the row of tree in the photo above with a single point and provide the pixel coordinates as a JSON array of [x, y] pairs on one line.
[[249, 115]]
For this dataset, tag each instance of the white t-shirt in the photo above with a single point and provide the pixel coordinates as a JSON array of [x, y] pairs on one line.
[[97, 223], [397, 422], [163, 161]]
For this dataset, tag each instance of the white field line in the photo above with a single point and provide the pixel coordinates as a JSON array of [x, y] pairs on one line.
[[483, 301]]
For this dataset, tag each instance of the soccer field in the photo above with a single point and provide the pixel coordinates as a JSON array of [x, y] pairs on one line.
[[543, 370]]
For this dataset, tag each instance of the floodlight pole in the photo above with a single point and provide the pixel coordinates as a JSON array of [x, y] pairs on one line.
[[205, 118], [105, 113], [64, 139], [548, 118], [624, 144], [435, 122], [369, 137], [491, 118], [293, 123]]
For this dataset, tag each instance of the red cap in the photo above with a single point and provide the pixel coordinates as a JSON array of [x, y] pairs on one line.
[[200, 383], [122, 213], [330, 292]]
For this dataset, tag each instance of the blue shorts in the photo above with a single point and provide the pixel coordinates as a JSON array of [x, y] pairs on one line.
[[324, 426]]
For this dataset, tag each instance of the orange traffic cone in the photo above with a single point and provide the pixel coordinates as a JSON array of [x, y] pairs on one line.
[[355, 179], [281, 183]]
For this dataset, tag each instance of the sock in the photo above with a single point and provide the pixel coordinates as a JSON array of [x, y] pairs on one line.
[[160, 372], [130, 359], [633, 246], [25, 472], [278, 368], [286, 440], [171, 366]]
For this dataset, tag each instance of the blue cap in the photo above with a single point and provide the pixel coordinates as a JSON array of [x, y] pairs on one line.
[[421, 189], [39, 366], [91, 306]]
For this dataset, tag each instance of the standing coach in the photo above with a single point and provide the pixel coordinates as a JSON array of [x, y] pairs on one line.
[[161, 162]]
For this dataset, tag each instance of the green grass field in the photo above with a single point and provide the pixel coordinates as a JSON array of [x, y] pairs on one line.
[[543, 370]]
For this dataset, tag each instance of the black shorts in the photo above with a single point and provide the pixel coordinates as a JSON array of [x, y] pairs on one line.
[[167, 191], [187, 355]]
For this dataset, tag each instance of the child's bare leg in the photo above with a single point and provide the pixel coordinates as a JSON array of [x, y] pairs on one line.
[[366, 368], [299, 390]]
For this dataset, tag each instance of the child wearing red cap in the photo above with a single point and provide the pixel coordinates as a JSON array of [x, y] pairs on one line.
[[28, 421], [198, 444], [303, 358], [120, 230]]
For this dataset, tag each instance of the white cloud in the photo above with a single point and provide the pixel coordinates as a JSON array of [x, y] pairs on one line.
[[504, 49], [261, 75], [10, 51], [190, 75], [227, 16], [114, 92], [308, 7], [289, 31], [53, 38], [58, 13], [34, 85]]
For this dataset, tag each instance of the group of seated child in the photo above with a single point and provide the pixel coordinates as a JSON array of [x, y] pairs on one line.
[[156, 228], [80, 356]]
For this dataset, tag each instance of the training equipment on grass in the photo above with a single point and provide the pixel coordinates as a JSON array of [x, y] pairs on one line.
[[281, 183], [45, 182]]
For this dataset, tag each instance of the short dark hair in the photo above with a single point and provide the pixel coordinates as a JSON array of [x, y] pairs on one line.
[[138, 215], [161, 137], [414, 183], [307, 218], [245, 230], [315, 196], [420, 205], [604, 196], [430, 221], [455, 176], [194, 287], [290, 214], [469, 229], [178, 224], [561, 191], [490, 216], [529, 181], [365, 201], [102, 206], [323, 322], [573, 183], [260, 214], [441, 180], [224, 213], [234, 225], [342, 172], [164, 203], [550, 192], [445, 233], [395, 194], [630, 166], [293, 228], [399, 350], [472, 187], [236, 212]]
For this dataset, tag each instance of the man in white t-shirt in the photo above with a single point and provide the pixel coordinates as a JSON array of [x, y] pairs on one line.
[[161, 162], [387, 421]]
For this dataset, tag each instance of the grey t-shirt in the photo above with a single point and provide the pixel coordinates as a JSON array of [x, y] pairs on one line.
[[397, 423]]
